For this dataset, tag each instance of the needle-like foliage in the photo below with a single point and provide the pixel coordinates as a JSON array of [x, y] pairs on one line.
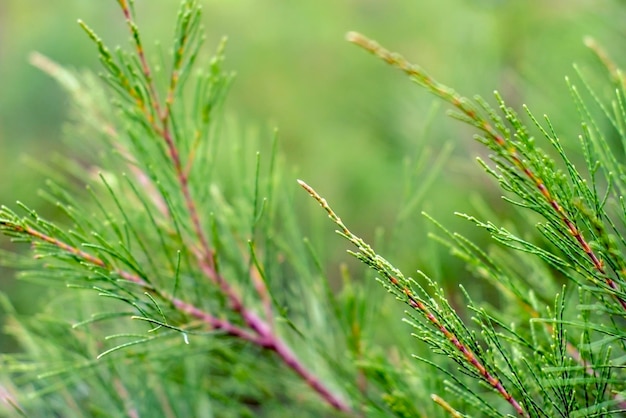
[[170, 266], [180, 285], [549, 353]]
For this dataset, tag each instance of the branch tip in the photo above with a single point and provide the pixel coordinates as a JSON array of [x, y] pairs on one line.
[[353, 37]]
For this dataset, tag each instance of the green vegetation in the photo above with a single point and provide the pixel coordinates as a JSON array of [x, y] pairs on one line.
[[184, 272]]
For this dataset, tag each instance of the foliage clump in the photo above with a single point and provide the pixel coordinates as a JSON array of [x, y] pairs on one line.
[[187, 289]]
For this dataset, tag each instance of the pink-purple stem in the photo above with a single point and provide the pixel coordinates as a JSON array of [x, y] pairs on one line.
[[259, 332]]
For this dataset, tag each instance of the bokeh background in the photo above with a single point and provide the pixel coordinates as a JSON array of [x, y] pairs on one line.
[[348, 124]]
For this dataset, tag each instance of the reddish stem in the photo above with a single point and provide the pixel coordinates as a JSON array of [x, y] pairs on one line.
[[259, 333], [462, 105], [466, 351], [415, 303], [262, 334]]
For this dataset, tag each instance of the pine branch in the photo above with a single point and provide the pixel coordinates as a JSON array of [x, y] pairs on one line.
[[400, 286], [498, 141], [222, 264], [265, 337], [563, 365], [119, 267], [261, 333]]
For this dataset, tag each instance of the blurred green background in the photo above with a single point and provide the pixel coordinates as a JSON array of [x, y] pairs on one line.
[[348, 124]]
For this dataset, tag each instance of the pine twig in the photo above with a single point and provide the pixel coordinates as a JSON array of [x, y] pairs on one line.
[[164, 129], [463, 105], [213, 322], [265, 336], [397, 282], [262, 335]]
